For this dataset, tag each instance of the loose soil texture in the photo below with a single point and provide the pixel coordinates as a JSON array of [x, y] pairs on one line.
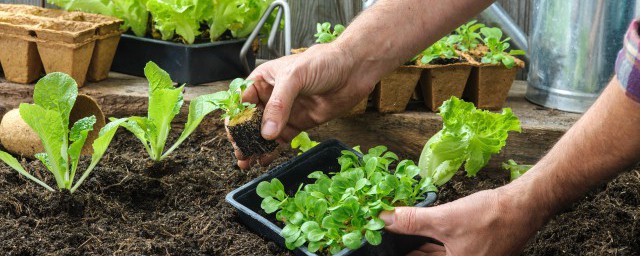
[[131, 206]]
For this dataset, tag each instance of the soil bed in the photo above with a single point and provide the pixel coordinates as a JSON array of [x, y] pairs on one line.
[[130, 206]]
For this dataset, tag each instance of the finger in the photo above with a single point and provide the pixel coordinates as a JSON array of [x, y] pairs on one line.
[[276, 112], [244, 164], [267, 158], [431, 247], [411, 221], [420, 253]]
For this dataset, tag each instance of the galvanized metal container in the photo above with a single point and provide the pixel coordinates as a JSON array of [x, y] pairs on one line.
[[573, 46]]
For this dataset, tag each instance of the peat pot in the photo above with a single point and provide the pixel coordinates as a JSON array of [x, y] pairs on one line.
[[294, 173], [18, 138]]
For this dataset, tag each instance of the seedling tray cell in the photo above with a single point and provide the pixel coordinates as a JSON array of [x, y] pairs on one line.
[[294, 173]]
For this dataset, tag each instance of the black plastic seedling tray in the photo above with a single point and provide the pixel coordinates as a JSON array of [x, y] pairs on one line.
[[292, 174], [190, 64]]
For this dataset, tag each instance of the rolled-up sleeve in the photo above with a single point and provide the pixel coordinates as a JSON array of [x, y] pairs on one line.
[[628, 62]]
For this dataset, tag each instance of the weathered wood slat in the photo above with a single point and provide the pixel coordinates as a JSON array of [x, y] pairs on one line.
[[404, 133]]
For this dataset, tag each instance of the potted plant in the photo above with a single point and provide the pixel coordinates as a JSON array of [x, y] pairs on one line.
[[445, 72], [195, 41], [494, 70]]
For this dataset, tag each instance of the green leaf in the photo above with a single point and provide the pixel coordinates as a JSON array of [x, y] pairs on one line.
[[290, 232], [314, 246], [374, 224], [270, 205], [78, 135], [516, 169], [315, 235], [309, 226], [13, 163], [164, 104], [373, 237], [297, 218], [50, 128], [264, 189], [57, 92], [352, 240]]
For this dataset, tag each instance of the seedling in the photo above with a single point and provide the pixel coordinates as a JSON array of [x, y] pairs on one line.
[[339, 211], [245, 119], [165, 102], [325, 35], [498, 47], [303, 142], [469, 136], [54, 96], [516, 169], [442, 49], [466, 36]]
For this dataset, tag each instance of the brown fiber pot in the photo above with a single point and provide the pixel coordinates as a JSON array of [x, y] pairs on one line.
[[21, 64], [489, 84], [18, 138], [439, 82], [394, 91]]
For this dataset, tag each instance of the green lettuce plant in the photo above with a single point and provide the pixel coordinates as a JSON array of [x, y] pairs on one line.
[[442, 49], [492, 38], [466, 36], [179, 19], [165, 102], [303, 143], [337, 212], [469, 136], [54, 96], [230, 101], [516, 169], [325, 35]]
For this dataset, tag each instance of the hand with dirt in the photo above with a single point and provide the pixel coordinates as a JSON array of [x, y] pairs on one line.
[[304, 90]]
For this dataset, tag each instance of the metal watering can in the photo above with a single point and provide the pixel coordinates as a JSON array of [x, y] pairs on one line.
[[573, 46]]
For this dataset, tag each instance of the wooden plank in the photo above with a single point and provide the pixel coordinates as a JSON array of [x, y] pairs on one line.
[[404, 133], [29, 2]]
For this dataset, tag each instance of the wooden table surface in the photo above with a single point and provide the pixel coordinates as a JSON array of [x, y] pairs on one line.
[[124, 95]]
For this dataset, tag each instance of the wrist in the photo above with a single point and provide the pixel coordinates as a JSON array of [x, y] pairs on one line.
[[527, 198]]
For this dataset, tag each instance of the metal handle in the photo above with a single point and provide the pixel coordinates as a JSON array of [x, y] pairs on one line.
[[283, 9]]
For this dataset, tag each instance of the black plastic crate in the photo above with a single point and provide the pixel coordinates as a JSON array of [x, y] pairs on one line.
[[190, 64], [292, 174]]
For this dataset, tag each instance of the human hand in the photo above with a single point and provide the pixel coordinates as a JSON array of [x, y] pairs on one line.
[[491, 222], [320, 84]]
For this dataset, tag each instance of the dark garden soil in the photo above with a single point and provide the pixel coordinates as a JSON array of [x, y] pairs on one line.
[[130, 206]]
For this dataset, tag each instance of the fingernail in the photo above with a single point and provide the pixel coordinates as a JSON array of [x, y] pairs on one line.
[[269, 129], [387, 217]]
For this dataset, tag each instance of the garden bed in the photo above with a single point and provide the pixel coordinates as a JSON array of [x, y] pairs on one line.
[[130, 206]]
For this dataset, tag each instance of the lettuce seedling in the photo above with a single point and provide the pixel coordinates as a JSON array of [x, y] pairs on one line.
[[497, 48], [325, 35], [303, 142], [469, 136], [165, 102], [516, 169], [442, 49], [339, 211], [54, 96], [466, 36], [245, 120]]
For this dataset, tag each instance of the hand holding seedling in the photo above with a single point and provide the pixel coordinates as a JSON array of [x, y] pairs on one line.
[[318, 85]]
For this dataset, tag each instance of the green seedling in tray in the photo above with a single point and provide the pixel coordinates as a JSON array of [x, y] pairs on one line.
[[492, 38], [325, 35]]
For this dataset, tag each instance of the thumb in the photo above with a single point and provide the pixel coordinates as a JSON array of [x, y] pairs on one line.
[[411, 221], [278, 108]]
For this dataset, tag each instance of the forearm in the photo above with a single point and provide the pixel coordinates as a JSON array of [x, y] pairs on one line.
[[393, 31], [603, 143]]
